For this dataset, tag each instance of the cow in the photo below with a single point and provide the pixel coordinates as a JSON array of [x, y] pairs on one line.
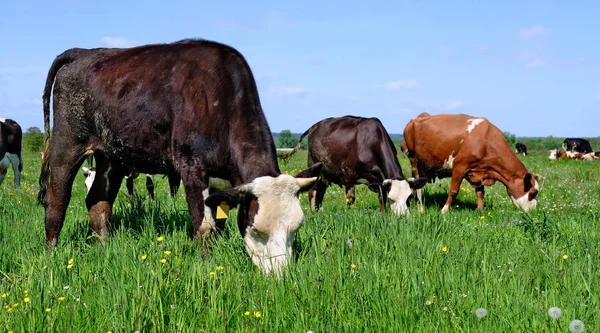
[[520, 149], [471, 148], [189, 108], [356, 150], [577, 145], [557, 154], [11, 137], [90, 174]]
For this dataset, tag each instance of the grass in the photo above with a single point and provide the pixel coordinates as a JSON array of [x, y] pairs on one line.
[[356, 269]]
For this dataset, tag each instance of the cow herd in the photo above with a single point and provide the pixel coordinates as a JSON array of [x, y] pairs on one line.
[[190, 110]]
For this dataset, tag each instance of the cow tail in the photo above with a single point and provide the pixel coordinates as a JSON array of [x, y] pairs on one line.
[[293, 151], [63, 59]]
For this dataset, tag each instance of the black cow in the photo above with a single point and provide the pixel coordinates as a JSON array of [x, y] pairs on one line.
[[357, 150], [521, 149], [577, 145], [11, 137], [190, 108]]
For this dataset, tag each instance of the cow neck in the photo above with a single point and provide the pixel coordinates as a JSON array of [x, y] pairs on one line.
[[507, 175]]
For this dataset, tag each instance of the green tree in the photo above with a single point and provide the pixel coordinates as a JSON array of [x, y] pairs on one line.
[[510, 138], [286, 140], [33, 139]]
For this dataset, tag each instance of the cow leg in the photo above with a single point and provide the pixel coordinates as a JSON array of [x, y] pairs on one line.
[[129, 184], [415, 174], [479, 191], [150, 185], [15, 161], [3, 173], [316, 194], [64, 165], [174, 180], [350, 196], [457, 176], [195, 184], [102, 195]]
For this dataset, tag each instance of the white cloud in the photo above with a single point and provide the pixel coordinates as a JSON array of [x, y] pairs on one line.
[[119, 42], [534, 63], [283, 91], [535, 31], [401, 84]]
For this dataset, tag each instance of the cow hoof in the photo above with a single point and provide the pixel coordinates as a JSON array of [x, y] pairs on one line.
[[445, 209]]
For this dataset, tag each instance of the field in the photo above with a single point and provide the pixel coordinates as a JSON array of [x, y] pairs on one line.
[[357, 269]]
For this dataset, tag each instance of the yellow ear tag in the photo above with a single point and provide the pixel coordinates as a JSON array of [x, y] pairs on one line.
[[222, 211]]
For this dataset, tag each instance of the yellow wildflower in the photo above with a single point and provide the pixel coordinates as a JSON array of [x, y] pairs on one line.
[[71, 261], [160, 238], [9, 310], [256, 314], [247, 313], [26, 292], [167, 252], [15, 305], [163, 260], [444, 249], [5, 295], [144, 256], [219, 268], [61, 298], [26, 299], [48, 309], [69, 266], [565, 257], [353, 266]]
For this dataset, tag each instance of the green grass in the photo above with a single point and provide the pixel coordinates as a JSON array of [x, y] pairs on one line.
[[356, 269]]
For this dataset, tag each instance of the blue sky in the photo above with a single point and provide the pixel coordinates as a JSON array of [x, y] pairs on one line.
[[531, 67]]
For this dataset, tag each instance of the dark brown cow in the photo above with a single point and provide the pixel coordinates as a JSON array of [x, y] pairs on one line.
[[188, 108], [465, 147], [11, 137], [357, 150]]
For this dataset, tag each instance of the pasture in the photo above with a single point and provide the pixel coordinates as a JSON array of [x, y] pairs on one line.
[[357, 270]]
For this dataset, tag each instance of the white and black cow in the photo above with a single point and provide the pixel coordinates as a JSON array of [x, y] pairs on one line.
[[11, 137], [356, 150], [189, 108]]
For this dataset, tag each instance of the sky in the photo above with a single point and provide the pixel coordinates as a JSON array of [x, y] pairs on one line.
[[531, 67]]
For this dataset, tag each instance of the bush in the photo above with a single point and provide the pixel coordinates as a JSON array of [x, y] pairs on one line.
[[33, 140]]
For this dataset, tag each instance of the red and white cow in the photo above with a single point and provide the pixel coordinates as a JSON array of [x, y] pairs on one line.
[[471, 148], [556, 154]]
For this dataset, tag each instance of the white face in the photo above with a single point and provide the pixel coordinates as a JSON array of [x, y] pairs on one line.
[[400, 192], [523, 202], [269, 240]]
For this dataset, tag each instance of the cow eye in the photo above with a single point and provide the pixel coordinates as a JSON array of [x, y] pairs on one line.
[[257, 233]]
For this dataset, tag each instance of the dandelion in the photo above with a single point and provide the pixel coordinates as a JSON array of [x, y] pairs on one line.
[[482, 217], [481, 312], [61, 298], [167, 252], [5, 295], [26, 300], [444, 249], [256, 314], [219, 268], [353, 266], [576, 326], [144, 257], [163, 261], [69, 266], [247, 313], [15, 305], [565, 257], [555, 312], [70, 261], [160, 238]]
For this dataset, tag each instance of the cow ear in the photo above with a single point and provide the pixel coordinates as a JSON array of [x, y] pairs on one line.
[[416, 183], [313, 171], [528, 182], [231, 197]]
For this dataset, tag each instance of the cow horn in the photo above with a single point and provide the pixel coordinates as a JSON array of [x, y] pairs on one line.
[[303, 182]]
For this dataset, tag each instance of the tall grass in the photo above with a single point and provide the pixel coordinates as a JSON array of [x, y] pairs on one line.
[[356, 269]]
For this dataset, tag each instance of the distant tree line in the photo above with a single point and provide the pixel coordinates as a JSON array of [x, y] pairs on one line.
[[33, 140]]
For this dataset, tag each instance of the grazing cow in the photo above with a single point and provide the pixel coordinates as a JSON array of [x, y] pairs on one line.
[[90, 175], [10, 149], [520, 149], [357, 150], [557, 154], [189, 108], [465, 147], [577, 145]]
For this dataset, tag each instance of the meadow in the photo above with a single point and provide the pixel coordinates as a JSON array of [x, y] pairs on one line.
[[356, 269]]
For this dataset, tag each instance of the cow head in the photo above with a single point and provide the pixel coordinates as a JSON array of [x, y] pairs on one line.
[[524, 193], [554, 154], [400, 192], [269, 214], [90, 175]]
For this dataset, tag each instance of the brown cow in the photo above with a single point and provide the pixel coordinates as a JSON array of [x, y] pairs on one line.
[[465, 147], [189, 108], [357, 150]]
